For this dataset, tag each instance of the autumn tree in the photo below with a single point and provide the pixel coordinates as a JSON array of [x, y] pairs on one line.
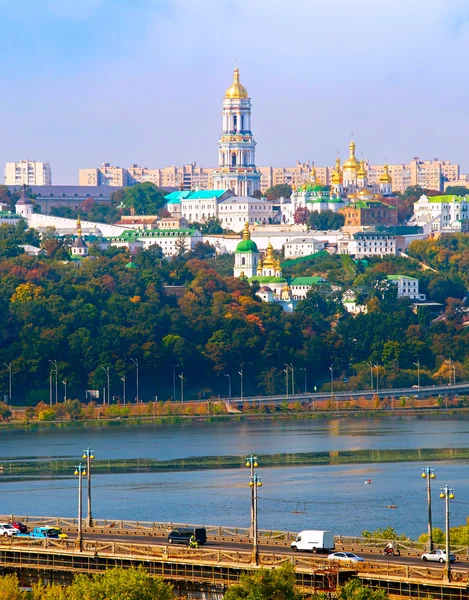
[[266, 584]]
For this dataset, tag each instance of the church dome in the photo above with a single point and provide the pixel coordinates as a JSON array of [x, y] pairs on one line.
[[385, 177], [246, 244], [351, 164], [236, 89]]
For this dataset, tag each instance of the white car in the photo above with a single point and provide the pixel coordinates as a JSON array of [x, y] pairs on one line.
[[7, 530], [349, 556], [438, 556]]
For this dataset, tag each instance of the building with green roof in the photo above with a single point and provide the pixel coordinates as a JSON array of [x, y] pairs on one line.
[[246, 256], [442, 213]]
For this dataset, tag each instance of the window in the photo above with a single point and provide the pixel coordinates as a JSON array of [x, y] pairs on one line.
[[235, 123]]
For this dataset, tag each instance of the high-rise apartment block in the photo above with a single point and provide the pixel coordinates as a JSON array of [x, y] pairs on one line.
[[106, 174], [28, 172]]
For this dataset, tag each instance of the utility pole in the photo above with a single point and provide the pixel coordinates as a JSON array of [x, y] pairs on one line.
[[50, 387], [229, 384], [64, 381], [417, 364], [107, 370], [8, 366], [331, 369], [448, 494], [429, 474], [135, 361], [371, 374], [181, 377], [123, 388], [56, 369], [240, 373], [254, 484], [88, 454], [174, 382], [377, 379], [286, 381], [251, 461], [80, 471]]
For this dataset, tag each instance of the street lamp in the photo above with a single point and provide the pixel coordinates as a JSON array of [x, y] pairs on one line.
[[251, 461], [81, 472], [107, 370], [286, 381], [448, 494], [371, 374], [123, 388], [331, 369], [417, 364], [64, 381], [181, 377], [56, 369], [429, 474], [452, 369], [229, 384], [292, 378], [240, 373], [306, 378], [88, 454], [135, 361], [254, 484], [377, 379], [8, 366], [174, 381]]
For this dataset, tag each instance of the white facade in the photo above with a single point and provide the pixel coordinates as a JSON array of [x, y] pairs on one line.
[[197, 210], [442, 212], [236, 148], [28, 172], [363, 245], [170, 241], [407, 287], [302, 247], [236, 211]]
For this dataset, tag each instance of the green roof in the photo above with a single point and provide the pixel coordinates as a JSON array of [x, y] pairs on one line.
[[267, 279], [206, 194], [175, 197], [370, 204], [448, 198], [397, 277], [247, 246], [315, 280], [131, 265]]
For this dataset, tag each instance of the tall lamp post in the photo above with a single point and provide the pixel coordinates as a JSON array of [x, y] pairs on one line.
[[56, 370], [174, 382], [229, 384], [64, 381], [81, 472], [286, 381], [123, 388], [240, 373], [107, 371], [135, 361], [251, 461], [306, 378], [371, 373], [448, 494], [417, 364], [8, 366], [377, 379], [254, 484], [88, 455], [181, 377], [429, 474], [331, 369], [292, 377]]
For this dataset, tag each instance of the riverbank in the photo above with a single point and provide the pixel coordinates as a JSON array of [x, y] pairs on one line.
[[12, 467]]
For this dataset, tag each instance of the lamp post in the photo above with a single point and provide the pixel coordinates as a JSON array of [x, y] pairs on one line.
[[377, 379], [240, 373], [429, 474], [448, 494], [292, 379], [123, 388], [306, 378], [88, 454], [417, 364], [254, 484], [81, 472], [174, 381], [451, 370], [181, 377], [56, 370], [331, 369], [50, 387], [64, 381], [251, 461], [107, 370], [286, 381], [229, 384], [8, 366], [135, 361], [371, 374]]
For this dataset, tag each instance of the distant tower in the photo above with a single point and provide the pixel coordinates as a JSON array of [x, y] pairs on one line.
[[350, 169], [236, 148], [246, 256], [337, 179], [385, 181], [24, 206], [362, 176], [79, 246]]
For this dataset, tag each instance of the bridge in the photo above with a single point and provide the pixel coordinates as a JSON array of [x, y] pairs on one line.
[[212, 568]]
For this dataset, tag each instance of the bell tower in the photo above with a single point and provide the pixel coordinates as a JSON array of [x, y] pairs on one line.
[[236, 147]]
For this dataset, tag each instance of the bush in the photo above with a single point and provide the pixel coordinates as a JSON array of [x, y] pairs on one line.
[[47, 415]]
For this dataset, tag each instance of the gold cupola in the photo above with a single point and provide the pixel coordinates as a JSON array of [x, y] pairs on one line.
[[269, 260], [313, 177], [79, 226], [385, 176], [361, 173], [236, 89], [351, 164], [336, 177]]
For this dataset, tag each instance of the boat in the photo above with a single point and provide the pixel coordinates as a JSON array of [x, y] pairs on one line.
[[368, 481]]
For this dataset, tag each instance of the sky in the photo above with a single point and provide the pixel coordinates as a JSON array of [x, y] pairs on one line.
[[142, 81]]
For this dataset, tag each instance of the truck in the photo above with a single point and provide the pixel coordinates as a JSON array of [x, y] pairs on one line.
[[312, 540], [41, 533]]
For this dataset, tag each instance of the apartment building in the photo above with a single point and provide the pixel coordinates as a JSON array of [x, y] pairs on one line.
[[106, 174], [28, 172]]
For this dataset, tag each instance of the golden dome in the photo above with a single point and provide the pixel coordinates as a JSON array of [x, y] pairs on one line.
[[269, 260], [313, 178], [365, 193], [361, 173], [351, 164], [385, 177], [286, 288], [236, 90], [336, 177]]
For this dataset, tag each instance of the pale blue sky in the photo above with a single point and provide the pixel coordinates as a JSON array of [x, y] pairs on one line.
[[141, 81]]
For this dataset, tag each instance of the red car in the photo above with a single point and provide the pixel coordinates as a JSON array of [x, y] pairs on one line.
[[21, 527]]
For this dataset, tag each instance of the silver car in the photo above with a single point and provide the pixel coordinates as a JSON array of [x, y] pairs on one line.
[[346, 556], [7, 530], [438, 556]]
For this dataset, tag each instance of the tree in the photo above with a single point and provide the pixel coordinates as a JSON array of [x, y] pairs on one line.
[[272, 584], [326, 219], [282, 190], [457, 190], [10, 588], [301, 215], [144, 198], [256, 194], [355, 590]]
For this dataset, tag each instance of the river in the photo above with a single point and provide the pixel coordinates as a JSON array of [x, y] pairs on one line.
[[291, 498]]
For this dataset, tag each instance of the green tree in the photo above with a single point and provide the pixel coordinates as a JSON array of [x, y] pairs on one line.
[[456, 190], [355, 590], [144, 198], [326, 219], [10, 589], [282, 190], [271, 584]]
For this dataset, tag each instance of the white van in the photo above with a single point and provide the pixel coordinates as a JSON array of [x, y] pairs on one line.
[[314, 541]]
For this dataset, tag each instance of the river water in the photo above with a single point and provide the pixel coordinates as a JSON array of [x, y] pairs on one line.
[[291, 498]]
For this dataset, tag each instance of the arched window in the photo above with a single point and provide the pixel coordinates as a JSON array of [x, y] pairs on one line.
[[233, 159], [243, 261], [222, 159], [242, 123], [235, 123], [245, 159]]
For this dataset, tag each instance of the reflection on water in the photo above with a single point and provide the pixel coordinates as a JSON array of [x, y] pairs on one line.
[[292, 498]]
